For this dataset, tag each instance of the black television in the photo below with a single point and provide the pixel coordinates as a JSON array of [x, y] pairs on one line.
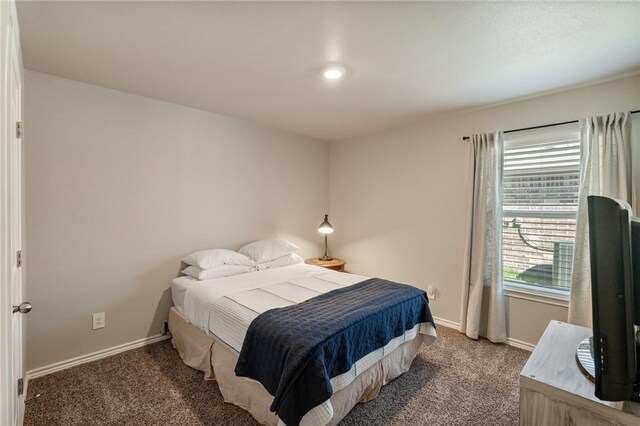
[[614, 243]]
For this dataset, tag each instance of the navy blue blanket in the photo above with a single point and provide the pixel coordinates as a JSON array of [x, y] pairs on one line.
[[295, 351]]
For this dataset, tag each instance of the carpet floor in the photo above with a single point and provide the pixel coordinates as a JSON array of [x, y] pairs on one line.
[[455, 381]]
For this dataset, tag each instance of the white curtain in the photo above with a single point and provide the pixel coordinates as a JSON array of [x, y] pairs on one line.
[[605, 170], [483, 265]]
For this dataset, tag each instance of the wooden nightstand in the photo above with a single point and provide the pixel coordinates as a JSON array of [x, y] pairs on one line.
[[334, 264]]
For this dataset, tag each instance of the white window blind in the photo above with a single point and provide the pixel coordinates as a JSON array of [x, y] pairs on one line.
[[541, 179]]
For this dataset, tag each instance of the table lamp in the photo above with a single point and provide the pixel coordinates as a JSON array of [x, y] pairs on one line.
[[326, 229]]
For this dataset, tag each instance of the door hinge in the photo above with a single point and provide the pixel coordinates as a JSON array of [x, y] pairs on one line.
[[18, 129], [20, 386], [19, 258]]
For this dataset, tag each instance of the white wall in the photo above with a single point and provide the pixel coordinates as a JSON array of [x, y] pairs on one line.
[[399, 199], [120, 187]]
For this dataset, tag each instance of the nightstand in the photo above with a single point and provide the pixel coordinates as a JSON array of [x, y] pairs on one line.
[[334, 264]]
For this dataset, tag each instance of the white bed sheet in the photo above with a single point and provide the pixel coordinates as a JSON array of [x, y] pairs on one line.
[[179, 288], [224, 307]]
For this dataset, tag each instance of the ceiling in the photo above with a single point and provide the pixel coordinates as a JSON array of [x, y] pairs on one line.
[[261, 61]]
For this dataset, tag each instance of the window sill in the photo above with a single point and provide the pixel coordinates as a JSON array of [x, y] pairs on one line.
[[534, 294]]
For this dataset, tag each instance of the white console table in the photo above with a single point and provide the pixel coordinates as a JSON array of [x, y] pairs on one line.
[[553, 390]]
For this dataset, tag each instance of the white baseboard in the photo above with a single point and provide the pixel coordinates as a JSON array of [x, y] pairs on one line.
[[510, 341], [62, 365], [447, 323], [520, 344]]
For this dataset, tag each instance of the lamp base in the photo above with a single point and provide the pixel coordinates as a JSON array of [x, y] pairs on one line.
[[325, 258]]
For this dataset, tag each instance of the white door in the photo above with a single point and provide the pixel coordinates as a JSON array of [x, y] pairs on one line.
[[14, 88], [11, 282]]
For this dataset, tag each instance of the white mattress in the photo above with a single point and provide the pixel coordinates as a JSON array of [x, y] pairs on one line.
[[224, 307]]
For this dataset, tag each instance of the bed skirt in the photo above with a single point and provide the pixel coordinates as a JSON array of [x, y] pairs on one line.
[[203, 353]]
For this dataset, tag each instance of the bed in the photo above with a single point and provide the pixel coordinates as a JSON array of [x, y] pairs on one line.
[[210, 319]]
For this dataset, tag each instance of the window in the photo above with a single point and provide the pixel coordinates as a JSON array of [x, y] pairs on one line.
[[541, 178]]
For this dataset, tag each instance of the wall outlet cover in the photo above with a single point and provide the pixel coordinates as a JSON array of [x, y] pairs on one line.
[[431, 292], [98, 320]]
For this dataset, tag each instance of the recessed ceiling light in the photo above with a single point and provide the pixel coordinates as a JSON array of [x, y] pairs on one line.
[[333, 73]]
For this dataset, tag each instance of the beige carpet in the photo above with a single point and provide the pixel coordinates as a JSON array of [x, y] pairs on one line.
[[456, 381]]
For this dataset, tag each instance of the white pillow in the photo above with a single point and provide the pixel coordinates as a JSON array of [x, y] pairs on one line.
[[207, 259], [217, 272], [268, 249], [290, 259]]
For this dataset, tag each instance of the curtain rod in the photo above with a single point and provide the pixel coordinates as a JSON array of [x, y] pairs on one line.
[[466, 138]]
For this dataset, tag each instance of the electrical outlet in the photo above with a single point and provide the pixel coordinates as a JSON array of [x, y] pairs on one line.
[[431, 292], [98, 320]]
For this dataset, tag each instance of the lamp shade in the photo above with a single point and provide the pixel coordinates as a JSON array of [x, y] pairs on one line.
[[325, 227]]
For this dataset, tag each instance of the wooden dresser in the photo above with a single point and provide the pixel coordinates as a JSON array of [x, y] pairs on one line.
[[553, 390]]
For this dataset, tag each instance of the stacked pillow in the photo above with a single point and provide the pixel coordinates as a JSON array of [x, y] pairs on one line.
[[258, 255], [272, 253], [217, 263], [289, 259]]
